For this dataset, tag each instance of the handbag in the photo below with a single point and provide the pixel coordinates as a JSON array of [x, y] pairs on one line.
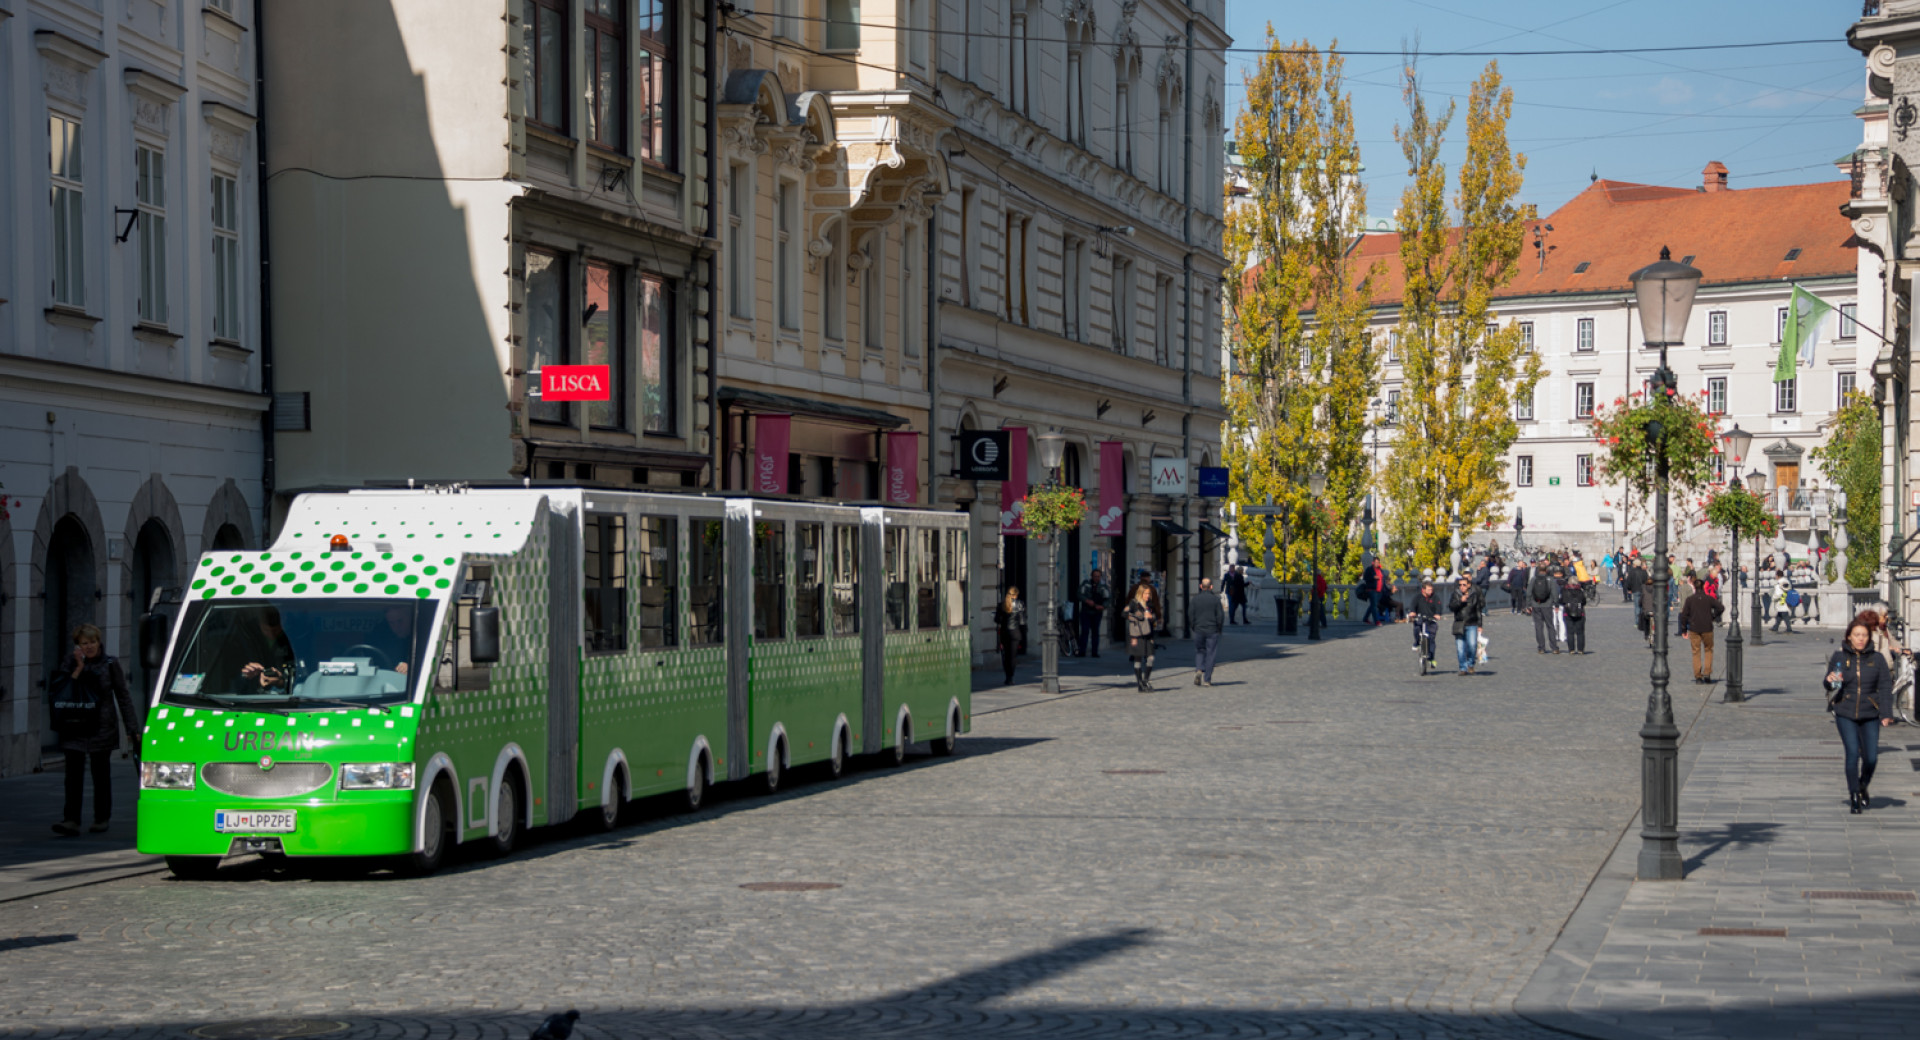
[[73, 708], [1480, 655]]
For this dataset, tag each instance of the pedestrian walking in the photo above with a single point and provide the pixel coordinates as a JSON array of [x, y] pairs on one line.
[[1093, 607], [1698, 615], [90, 706], [1860, 697], [1142, 621], [1236, 583], [1468, 607], [1785, 599], [1573, 605], [1540, 603], [1208, 620], [1517, 588], [1009, 620]]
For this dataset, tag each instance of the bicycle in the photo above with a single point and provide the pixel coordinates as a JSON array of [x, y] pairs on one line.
[[1424, 630]]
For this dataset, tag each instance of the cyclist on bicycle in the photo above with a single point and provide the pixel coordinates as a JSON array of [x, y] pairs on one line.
[[1424, 609]]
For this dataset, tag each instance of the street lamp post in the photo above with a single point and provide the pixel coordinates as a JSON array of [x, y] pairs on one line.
[[1737, 441], [1453, 524], [1052, 444], [1757, 484], [1664, 293], [1318, 484]]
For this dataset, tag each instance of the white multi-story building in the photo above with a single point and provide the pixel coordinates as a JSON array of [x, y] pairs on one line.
[[1573, 300], [131, 408]]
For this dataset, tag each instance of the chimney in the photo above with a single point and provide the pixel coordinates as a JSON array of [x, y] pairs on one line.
[[1714, 177]]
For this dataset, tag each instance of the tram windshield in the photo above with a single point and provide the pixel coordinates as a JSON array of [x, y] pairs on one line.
[[299, 654]]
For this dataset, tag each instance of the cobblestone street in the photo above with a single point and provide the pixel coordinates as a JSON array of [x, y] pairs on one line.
[[1322, 844]]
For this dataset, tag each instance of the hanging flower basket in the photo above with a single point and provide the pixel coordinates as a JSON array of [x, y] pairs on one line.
[[1737, 509], [1625, 431], [1051, 508]]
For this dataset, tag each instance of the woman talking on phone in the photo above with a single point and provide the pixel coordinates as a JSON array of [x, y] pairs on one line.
[[1860, 696]]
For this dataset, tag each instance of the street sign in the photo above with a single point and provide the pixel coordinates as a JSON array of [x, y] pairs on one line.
[[983, 454], [1553, 481], [576, 383], [1213, 482], [1169, 476]]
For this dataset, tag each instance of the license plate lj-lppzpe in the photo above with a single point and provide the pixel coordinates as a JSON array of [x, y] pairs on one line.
[[280, 822]]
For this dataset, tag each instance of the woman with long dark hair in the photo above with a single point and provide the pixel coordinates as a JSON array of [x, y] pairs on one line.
[[1860, 697], [1142, 621], [1009, 617]]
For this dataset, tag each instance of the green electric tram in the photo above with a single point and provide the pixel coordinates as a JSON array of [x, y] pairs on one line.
[[407, 670]]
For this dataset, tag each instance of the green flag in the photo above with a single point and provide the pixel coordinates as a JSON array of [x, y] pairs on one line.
[[1805, 312]]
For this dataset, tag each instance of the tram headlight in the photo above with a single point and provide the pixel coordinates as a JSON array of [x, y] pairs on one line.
[[376, 776], [166, 776]]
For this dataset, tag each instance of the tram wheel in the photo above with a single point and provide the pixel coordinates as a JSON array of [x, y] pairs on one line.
[[837, 761], [774, 769], [697, 790]]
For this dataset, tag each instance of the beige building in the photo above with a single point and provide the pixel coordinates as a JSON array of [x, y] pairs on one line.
[[460, 193]]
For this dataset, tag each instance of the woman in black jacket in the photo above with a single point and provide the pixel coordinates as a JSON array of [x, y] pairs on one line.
[[91, 675], [1860, 696]]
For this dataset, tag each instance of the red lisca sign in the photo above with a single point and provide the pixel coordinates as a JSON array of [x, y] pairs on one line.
[[576, 383]]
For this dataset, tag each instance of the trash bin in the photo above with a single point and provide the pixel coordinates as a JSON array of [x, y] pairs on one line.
[[1288, 610]]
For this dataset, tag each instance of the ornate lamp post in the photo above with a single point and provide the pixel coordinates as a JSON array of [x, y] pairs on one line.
[[1317, 483], [1453, 523], [1519, 527], [1757, 483], [1664, 293], [1737, 441], [1052, 445]]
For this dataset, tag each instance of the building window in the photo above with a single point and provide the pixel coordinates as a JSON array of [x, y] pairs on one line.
[[740, 236], [786, 20], [786, 255], [1849, 320], [1844, 384], [1716, 328], [1716, 395], [1584, 336], [150, 196], [1015, 263], [69, 224], [548, 336], [603, 580], [918, 29], [1523, 471], [545, 24], [913, 289], [1583, 400], [1780, 325], [1523, 407], [1076, 88], [833, 285], [1018, 86], [605, 342], [969, 242], [873, 295], [606, 48], [226, 258], [654, 91], [1393, 406], [1163, 321], [843, 25], [1526, 337], [1786, 397], [1393, 346], [659, 411], [1123, 119], [1583, 470], [1123, 310], [1073, 287]]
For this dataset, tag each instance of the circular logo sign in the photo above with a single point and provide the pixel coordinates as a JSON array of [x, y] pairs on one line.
[[986, 451]]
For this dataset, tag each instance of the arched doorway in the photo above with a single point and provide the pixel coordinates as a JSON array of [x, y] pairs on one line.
[[228, 537], [70, 598], [154, 568]]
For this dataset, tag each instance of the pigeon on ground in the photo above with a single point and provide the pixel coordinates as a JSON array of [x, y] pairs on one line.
[[556, 1027]]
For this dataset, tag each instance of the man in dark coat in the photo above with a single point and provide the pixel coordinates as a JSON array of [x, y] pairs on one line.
[[1542, 597], [1236, 588], [1698, 615], [1093, 606], [1517, 587], [1208, 620]]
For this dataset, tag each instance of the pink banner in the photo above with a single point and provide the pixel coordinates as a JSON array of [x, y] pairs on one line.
[[771, 434], [903, 468], [1113, 488], [1014, 488]]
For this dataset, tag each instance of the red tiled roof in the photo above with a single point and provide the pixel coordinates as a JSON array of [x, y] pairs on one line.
[[1616, 228]]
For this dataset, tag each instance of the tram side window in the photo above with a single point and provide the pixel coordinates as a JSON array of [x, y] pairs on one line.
[[809, 596], [457, 671], [706, 584], [659, 538], [898, 576], [604, 582], [846, 580], [770, 579], [926, 584], [956, 579]]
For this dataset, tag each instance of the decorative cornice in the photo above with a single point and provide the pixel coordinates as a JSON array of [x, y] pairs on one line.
[[147, 85], [61, 47], [225, 115]]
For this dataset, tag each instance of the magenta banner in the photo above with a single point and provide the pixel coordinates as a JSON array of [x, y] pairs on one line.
[[771, 435], [903, 468], [1014, 488], [1113, 488]]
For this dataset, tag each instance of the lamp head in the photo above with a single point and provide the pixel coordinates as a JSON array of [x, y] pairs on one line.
[[1318, 483], [1052, 444], [1757, 482], [1737, 441], [1664, 292]]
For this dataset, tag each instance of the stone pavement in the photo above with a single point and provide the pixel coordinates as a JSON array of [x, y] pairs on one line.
[[1323, 844], [35, 861]]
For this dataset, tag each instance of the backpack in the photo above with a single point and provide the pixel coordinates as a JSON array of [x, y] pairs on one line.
[[1793, 597], [73, 708], [1542, 588]]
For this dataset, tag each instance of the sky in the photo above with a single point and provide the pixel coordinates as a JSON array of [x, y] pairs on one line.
[[1774, 115]]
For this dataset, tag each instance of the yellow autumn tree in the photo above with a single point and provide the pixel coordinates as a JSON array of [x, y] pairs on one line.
[[1304, 365], [1463, 370]]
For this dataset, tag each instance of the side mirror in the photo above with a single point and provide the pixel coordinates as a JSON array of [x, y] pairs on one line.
[[153, 640], [484, 631]]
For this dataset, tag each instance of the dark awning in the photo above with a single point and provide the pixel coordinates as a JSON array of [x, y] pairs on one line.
[[762, 401], [1170, 527], [1208, 528]]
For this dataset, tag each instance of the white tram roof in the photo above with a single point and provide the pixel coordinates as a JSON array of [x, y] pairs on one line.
[[407, 521]]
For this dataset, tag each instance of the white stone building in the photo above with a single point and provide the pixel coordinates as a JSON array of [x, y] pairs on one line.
[[1573, 297], [131, 409]]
